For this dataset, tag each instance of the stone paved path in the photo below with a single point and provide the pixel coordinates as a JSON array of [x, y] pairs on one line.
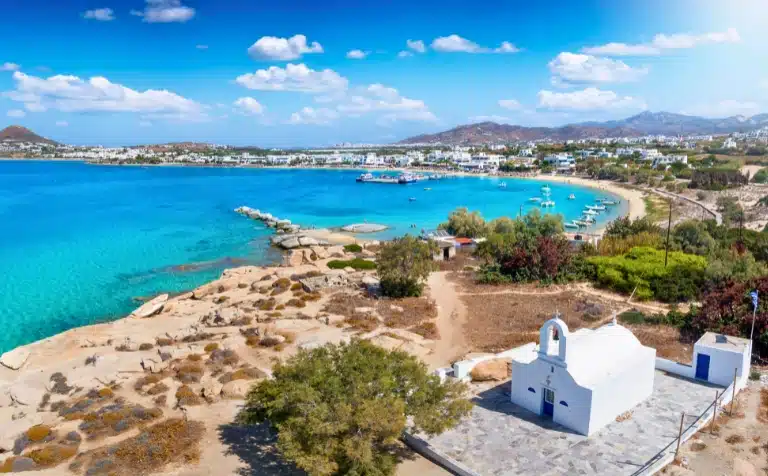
[[500, 438]]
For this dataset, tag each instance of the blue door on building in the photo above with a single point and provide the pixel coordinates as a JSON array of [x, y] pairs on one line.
[[549, 402], [702, 367]]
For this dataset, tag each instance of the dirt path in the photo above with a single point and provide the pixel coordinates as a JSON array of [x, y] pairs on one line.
[[451, 315]]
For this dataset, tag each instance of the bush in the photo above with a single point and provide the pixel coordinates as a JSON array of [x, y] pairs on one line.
[[403, 265], [185, 396], [624, 227], [616, 245], [341, 409], [717, 179], [357, 264], [761, 176], [461, 222], [642, 270], [353, 248], [211, 347]]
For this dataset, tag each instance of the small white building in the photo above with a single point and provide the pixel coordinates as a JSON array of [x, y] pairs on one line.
[[718, 358], [585, 379]]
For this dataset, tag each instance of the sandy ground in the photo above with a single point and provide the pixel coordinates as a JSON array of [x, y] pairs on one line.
[[451, 315]]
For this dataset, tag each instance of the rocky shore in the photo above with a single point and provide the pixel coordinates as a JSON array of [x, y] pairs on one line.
[[188, 358]]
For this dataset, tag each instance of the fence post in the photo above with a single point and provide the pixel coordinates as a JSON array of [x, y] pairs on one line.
[[733, 398], [714, 414], [680, 434]]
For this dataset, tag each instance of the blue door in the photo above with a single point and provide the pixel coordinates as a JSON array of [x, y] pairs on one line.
[[549, 402], [702, 367]]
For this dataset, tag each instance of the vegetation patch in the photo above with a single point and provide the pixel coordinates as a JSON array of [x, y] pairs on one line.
[[427, 330], [171, 441], [115, 419], [357, 264], [189, 372], [734, 439], [51, 455], [223, 357], [187, 397], [157, 389], [296, 303], [211, 347], [265, 304], [406, 312], [38, 433], [353, 248]]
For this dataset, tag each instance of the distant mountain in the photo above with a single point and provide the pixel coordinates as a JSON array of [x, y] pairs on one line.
[[666, 123], [22, 134]]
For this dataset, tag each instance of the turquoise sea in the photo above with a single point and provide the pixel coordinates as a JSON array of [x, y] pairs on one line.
[[80, 242]]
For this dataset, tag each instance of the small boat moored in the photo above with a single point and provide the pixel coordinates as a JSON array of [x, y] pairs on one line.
[[571, 197]]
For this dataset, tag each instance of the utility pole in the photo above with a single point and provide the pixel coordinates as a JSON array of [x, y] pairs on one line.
[[669, 229]]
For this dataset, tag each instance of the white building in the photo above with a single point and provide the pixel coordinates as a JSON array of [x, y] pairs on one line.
[[719, 358], [729, 143], [670, 159], [583, 380]]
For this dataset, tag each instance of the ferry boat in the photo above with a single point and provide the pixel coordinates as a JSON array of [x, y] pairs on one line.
[[571, 197], [406, 178], [364, 177]]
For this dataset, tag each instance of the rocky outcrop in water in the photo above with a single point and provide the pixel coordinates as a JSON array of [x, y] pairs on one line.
[[279, 224]]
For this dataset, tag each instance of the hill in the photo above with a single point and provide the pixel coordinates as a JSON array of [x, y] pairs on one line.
[[645, 123], [22, 134]]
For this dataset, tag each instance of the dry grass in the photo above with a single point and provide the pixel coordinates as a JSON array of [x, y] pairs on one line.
[[211, 347], [187, 397], [762, 411], [265, 304], [163, 341], [403, 313], [115, 419], [171, 441], [362, 322], [141, 382], [344, 304], [667, 341], [497, 322], [38, 433], [157, 389], [427, 330], [52, 455], [189, 372], [698, 446], [734, 439], [296, 303]]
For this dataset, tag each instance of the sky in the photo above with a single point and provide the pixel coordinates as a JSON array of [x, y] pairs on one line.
[[300, 73]]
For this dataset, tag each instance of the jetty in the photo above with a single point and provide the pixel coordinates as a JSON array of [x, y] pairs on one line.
[[271, 221]]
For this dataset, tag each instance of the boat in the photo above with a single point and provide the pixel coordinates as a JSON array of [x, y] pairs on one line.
[[534, 199], [364, 177], [598, 208], [588, 219], [406, 178], [503, 185], [571, 197], [545, 189], [590, 212], [548, 203], [610, 202], [427, 189], [412, 199], [581, 223], [571, 225]]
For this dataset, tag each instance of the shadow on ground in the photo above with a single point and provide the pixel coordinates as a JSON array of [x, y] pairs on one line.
[[255, 446]]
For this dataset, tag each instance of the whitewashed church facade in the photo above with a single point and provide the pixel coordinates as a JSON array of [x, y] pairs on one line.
[[585, 379]]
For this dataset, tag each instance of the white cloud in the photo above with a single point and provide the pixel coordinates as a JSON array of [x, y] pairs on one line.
[[17, 113], [491, 118], [201, 47], [9, 67], [165, 11], [588, 99], [380, 99], [663, 42], [294, 77], [249, 106], [322, 116], [282, 49], [416, 45], [507, 47], [404, 54], [456, 44], [100, 14], [98, 94], [512, 104], [357, 54], [35, 107], [62, 124], [726, 108], [578, 68]]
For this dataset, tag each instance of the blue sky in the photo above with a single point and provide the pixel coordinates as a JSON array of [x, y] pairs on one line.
[[123, 72]]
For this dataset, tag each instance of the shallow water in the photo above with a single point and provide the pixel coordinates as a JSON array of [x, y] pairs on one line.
[[80, 242]]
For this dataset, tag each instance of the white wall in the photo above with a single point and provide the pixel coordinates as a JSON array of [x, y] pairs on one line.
[[675, 368], [722, 364], [620, 393], [575, 416], [462, 368]]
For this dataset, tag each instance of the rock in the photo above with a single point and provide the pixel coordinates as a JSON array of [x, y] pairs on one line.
[[364, 310], [235, 389], [15, 358], [349, 269], [335, 250], [308, 241], [202, 291], [5, 398], [320, 252], [150, 308], [296, 258], [211, 389], [368, 254], [307, 254], [22, 463], [396, 308], [364, 228], [290, 243], [490, 370], [27, 395], [271, 340], [73, 437], [326, 281]]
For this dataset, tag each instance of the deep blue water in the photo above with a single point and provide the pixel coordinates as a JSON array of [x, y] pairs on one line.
[[79, 242]]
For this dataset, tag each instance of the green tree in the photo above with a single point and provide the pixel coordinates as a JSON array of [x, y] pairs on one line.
[[341, 409], [404, 264], [461, 222], [624, 227], [692, 236]]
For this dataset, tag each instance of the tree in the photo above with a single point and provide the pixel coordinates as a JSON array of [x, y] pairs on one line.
[[692, 236], [404, 264], [624, 227], [461, 222], [340, 409]]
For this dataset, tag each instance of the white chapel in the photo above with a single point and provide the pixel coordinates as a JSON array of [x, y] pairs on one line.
[[585, 379]]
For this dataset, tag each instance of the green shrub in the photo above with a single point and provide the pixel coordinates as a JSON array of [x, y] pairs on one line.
[[353, 248], [632, 317], [357, 263]]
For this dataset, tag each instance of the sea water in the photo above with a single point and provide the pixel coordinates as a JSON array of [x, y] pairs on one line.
[[83, 243]]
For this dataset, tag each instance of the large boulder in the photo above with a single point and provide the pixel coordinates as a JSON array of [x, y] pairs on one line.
[[290, 243], [490, 371], [15, 359], [202, 291], [320, 252], [236, 389], [211, 389], [326, 281], [308, 241], [151, 307]]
